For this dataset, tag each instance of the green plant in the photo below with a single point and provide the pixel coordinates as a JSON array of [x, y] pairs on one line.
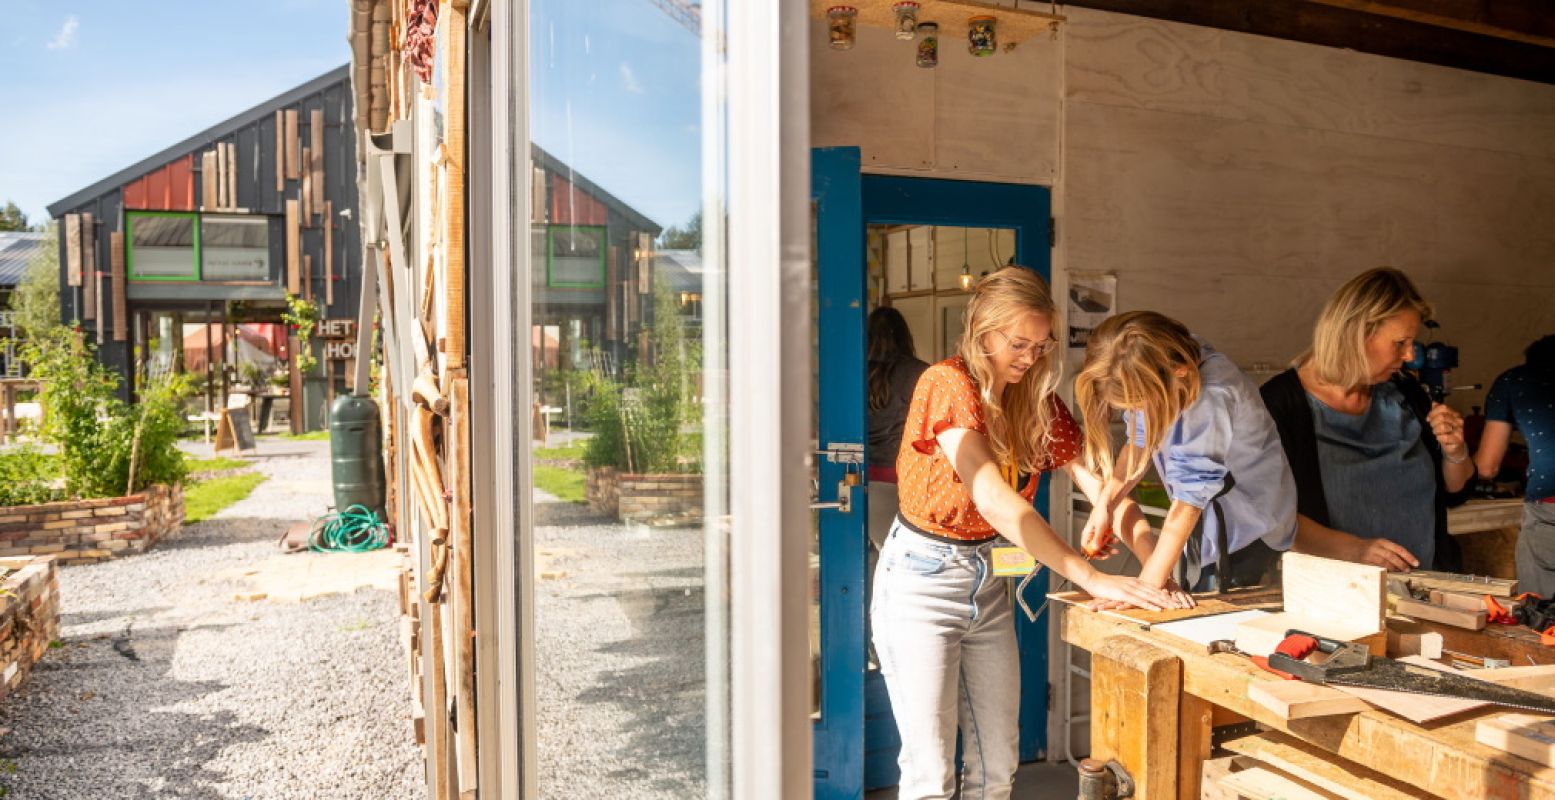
[[303, 315], [106, 447], [648, 421], [28, 476]]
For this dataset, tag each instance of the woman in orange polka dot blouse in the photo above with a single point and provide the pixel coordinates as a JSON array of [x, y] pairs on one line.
[[981, 429]]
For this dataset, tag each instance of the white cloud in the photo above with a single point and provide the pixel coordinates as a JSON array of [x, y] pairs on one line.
[[629, 79], [66, 38]]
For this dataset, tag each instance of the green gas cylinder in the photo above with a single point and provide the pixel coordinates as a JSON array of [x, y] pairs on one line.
[[356, 456]]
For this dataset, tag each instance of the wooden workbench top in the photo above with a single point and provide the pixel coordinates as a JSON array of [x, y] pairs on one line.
[[1442, 758]]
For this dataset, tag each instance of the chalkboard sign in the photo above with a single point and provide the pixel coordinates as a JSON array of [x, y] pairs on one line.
[[235, 430]]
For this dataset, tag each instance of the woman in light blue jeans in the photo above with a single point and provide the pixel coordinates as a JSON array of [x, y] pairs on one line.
[[981, 429]]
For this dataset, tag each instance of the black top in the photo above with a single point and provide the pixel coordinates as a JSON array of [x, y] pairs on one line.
[[1287, 403], [885, 424]]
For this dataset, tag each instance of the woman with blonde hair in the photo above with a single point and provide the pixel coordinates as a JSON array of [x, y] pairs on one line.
[[981, 429], [1374, 458], [1192, 412]]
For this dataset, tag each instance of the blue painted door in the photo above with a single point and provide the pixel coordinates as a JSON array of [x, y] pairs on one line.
[[855, 737], [841, 431]]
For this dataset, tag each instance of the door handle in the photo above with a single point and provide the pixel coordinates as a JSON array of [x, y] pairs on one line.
[[844, 501]]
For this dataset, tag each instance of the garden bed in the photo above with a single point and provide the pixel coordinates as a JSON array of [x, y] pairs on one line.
[[652, 498], [87, 531], [29, 616]]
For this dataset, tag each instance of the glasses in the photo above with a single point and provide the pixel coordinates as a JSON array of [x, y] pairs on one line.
[[1022, 347]]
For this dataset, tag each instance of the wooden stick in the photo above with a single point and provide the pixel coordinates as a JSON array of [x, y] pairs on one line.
[[280, 152], [293, 147], [293, 249]]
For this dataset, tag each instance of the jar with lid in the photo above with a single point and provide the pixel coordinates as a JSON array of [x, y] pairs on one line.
[[906, 19], [981, 40], [842, 24], [928, 45]]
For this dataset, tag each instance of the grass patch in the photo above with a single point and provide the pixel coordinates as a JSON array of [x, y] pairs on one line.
[[203, 499], [571, 452], [214, 464], [566, 484]]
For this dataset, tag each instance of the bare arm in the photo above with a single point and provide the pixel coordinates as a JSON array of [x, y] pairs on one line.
[[1011, 515], [1492, 448], [1321, 540]]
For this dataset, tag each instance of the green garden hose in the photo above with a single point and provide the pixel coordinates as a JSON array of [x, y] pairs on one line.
[[355, 530]]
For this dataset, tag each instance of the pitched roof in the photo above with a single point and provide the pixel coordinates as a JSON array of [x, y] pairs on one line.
[[200, 140], [16, 249]]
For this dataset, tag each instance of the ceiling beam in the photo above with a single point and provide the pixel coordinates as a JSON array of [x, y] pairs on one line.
[[1320, 23]]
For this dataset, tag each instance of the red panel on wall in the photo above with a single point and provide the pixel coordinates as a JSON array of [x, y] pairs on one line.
[[168, 188], [573, 206]]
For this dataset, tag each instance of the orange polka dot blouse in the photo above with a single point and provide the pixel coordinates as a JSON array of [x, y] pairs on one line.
[[933, 498]]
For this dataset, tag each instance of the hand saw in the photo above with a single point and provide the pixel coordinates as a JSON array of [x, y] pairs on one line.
[[1350, 664]]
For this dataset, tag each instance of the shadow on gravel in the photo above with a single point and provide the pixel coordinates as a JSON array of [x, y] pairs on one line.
[[222, 532], [666, 695], [92, 722]]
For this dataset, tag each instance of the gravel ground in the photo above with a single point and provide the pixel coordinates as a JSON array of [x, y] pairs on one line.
[[621, 689], [166, 686]]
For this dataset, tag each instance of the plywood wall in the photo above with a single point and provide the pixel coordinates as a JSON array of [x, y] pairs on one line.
[[1234, 181], [1231, 180]]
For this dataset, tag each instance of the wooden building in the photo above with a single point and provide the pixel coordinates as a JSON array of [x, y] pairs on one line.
[[220, 228]]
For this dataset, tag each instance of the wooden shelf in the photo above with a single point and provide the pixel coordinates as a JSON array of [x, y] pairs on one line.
[[1015, 25]]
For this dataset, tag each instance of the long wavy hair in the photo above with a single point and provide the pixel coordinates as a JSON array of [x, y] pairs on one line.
[[1131, 363], [1020, 421], [890, 343]]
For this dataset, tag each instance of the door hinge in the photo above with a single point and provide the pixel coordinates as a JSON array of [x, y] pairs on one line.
[[1052, 231]]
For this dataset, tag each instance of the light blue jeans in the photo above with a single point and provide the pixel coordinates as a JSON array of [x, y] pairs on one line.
[[945, 634]]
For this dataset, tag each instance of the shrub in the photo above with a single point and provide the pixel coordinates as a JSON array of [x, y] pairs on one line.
[[102, 439], [28, 476]]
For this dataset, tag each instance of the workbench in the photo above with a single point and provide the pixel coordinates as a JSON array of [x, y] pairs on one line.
[[1157, 699]]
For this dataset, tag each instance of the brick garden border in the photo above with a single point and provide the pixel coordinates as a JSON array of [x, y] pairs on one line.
[[29, 617], [645, 497], [88, 531]]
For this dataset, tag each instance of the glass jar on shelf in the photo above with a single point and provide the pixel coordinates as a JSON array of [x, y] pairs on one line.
[[842, 24]]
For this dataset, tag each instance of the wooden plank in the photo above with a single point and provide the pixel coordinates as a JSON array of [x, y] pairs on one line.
[[1467, 584], [293, 248], [73, 249], [293, 147], [1264, 783], [329, 254], [1325, 588], [121, 327], [280, 152], [461, 523], [307, 187], [1290, 700], [208, 197], [1195, 724], [232, 174], [1471, 620], [453, 196], [1309, 763], [1135, 689], [316, 166], [1523, 735]]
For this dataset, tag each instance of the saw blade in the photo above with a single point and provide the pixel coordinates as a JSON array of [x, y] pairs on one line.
[[1399, 677]]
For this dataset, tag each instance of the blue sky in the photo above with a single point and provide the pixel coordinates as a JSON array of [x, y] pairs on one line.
[[97, 86]]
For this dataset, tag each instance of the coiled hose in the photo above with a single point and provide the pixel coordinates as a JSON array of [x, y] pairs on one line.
[[355, 530]]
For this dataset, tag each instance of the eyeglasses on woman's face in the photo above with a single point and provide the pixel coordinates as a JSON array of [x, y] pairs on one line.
[[1020, 346]]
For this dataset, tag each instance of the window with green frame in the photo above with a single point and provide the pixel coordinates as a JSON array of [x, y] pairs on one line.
[[162, 245], [575, 256]]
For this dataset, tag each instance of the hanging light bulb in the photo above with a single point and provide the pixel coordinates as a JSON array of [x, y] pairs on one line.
[[966, 265]]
